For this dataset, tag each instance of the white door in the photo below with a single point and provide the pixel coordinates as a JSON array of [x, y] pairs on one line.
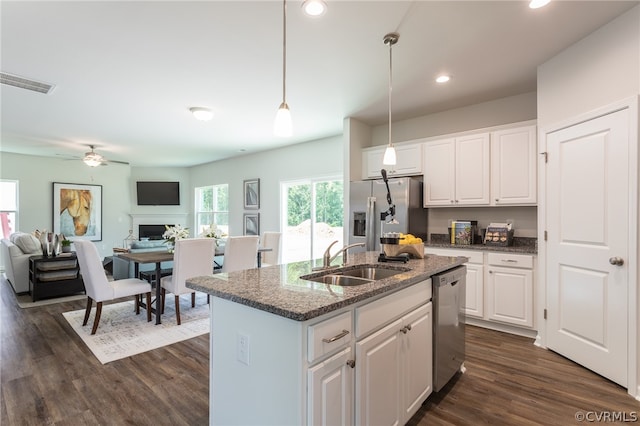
[[474, 294], [510, 295], [514, 166], [588, 225], [472, 170], [378, 377], [331, 390], [439, 173], [417, 359]]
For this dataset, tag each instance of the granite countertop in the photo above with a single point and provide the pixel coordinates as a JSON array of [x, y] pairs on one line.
[[279, 290], [522, 245]]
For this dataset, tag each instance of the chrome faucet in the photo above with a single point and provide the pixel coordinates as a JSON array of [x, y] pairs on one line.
[[327, 258]]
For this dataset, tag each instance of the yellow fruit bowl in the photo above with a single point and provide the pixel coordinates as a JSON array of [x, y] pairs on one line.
[[415, 250]]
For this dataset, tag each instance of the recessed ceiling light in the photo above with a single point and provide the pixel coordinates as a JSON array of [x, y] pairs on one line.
[[203, 114], [535, 4], [314, 8], [442, 79]]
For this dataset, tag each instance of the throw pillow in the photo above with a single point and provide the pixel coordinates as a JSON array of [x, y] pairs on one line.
[[28, 244]]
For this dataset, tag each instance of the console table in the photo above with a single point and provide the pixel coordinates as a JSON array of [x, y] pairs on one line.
[[54, 276]]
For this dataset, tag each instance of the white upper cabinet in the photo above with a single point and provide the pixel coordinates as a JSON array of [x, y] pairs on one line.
[[456, 171], [513, 166], [408, 161]]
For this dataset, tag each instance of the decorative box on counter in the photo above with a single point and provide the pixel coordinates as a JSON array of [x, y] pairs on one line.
[[499, 234], [463, 232]]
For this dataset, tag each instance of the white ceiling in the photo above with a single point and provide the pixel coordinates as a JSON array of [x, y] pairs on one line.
[[126, 73]]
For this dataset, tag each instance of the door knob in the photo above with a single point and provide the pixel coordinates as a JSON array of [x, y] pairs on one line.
[[617, 261]]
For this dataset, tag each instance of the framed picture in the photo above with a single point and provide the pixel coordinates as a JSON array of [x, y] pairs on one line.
[[77, 211], [252, 194], [251, 224]]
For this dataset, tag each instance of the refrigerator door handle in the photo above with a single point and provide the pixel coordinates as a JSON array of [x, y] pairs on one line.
[[371, 224]]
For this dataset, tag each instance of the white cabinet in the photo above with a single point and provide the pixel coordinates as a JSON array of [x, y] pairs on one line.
[[408, 161], [456, 171], [510, 289], [330, 390], [499, 287], [514, 166], [394, 369]]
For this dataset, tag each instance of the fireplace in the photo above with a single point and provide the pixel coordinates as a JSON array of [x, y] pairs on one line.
[[152, 232]]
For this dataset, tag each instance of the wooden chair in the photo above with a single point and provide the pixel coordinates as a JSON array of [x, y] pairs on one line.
[[99, 288], [271, 240], [240, 253], [193, 257]]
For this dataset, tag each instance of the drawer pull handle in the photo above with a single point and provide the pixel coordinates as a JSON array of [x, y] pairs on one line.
[[351, 363], [406, 328], [509, 261], [336, 337]]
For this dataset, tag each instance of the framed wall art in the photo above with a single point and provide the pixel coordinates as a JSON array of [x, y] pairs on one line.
[[252, 194], [251, 224], [77, 211]]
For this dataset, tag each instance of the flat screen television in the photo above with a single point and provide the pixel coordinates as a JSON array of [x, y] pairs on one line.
[[158, 193]]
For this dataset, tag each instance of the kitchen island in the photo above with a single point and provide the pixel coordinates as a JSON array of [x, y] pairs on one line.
[[286, 350]]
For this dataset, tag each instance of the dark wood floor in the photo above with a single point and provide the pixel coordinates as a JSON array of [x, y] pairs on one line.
[[48, 376]]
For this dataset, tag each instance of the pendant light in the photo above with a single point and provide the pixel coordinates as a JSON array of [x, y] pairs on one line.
[[282, 126], [389, 158]]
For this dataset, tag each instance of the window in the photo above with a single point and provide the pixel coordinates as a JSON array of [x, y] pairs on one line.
[[8, 207], [212, 206], [313, 218]]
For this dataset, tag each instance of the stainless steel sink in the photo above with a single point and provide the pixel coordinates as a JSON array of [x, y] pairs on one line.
[[342, 280], [353, 276]]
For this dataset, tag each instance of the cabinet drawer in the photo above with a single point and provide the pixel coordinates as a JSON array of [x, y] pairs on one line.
[[378, 313], [474, 256], [329, 335], [510, 260]]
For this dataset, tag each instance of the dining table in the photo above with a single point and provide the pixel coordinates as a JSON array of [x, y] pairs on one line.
[[158, 257]]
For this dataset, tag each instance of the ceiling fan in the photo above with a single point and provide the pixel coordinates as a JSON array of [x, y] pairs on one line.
[[93, 159]]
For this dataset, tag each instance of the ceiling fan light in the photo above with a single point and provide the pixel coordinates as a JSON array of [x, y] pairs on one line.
[[442, 78], [389, 158], [283, 126], [92, 161], [202, 114], [535, 4], [314, 8]]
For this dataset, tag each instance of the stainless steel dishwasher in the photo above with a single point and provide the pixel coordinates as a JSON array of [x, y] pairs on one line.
[[448, 324]]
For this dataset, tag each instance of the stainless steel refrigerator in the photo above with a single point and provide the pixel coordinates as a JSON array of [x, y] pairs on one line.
[[368, 199]]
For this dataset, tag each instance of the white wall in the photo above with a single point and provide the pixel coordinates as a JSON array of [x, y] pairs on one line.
[[508, 110], [323, 157], [36, 176], [602, 68]]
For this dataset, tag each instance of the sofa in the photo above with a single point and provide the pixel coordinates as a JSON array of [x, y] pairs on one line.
[[15, 252], [123, 268]]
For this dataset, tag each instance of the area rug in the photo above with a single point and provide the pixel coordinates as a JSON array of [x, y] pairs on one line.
[[25, 301], [121, 333]]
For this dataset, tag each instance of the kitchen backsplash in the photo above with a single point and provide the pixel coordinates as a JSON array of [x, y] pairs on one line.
[[525, 219]]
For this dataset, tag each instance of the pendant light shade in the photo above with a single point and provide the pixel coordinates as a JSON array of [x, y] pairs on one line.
[[283, 126], [389, 158]]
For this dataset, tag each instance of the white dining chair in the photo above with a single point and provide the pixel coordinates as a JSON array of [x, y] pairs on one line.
[[193, 257], [240, 253], [100, 289], [271, 240]]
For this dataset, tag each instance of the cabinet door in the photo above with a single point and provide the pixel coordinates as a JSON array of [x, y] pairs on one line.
[[417, 359], [378, 377], [330, 391], [408, 161], [472, 170], [474, 296], [439, 173], [510, 295], [514, 166]]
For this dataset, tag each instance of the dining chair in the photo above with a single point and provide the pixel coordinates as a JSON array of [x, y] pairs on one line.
[[271, 240], [100, 289], [240, 253], [192, 257]]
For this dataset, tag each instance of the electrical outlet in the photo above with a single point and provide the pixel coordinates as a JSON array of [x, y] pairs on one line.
[[243, 348]]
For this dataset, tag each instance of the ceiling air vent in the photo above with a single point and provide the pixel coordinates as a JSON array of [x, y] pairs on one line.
[[25, 83]]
